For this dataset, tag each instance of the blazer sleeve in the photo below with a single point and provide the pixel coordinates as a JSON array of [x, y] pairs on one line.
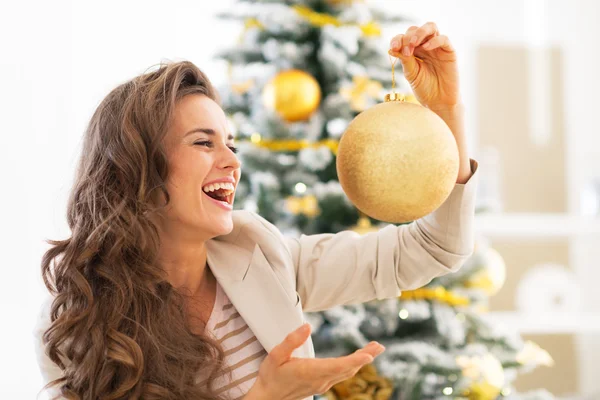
[[347, 268], [48, 369]]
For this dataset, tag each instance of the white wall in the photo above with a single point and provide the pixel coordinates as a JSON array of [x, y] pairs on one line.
[[58, 60]]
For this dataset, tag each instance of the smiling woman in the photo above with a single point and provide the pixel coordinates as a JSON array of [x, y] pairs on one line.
[[223, 189], [164, 292], [119, 324], [201, 154]]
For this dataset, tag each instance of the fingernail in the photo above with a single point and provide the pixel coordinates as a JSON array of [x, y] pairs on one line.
[[378, 345], [394, 44], [413, 39], [426, 45], [406, 51], [305, 328]]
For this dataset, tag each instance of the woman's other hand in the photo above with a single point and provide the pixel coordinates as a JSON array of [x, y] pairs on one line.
[[284, 377]]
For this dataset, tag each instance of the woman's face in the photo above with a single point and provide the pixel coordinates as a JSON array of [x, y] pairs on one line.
[[203, 169]]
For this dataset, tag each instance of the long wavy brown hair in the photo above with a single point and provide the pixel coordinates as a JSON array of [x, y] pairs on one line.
[[118, 329]]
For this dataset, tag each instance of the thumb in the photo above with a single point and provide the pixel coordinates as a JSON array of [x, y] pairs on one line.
[[410, 66], [283, 351]]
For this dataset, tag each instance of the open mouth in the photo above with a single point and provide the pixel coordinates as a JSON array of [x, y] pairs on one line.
[[221, 191]]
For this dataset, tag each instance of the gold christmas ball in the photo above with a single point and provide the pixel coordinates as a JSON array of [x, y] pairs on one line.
[[367, 384], [492, 275], [293, 94], [363, 226], [397, 161], [486, 375]]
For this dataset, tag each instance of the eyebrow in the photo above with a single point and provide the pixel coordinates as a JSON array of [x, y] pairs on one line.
[[208, 131]]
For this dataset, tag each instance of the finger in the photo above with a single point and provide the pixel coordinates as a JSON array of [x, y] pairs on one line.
[[396, 43], [408, 40], [403, 39], [283, 351], [410, 66], [342, 365], [374, 349], [332, 368], [356, 360], [424, 33], [436, 42]]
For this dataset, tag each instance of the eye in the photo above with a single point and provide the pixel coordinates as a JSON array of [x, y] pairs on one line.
[[206, 143]]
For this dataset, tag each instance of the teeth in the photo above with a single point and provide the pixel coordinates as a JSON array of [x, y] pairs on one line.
[[228, 187]]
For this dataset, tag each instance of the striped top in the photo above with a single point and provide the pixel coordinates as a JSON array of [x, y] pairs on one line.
[[243, 352]]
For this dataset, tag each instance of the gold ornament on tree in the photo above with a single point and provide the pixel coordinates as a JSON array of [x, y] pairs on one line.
[[242, 87], [491, 276], [485, 372], [367, 384], [293, 94], [307, 205], [397, 161], [532, 353], [363, 225], [291, 144], [362, 90], [439, 294], [320, 19]]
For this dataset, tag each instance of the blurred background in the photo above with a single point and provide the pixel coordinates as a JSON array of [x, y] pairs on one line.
[[522, 317]]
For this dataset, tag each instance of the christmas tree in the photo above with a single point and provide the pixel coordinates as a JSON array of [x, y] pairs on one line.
[[439, 341], [299, 73]]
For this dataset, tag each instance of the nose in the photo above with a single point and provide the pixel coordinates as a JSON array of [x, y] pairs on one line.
[[228, 159]]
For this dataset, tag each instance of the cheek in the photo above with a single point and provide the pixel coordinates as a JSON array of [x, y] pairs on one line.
[[186, 175]]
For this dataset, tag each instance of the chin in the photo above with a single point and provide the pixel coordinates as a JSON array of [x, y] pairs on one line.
[[226, 229], [219, 225], [218, 215]]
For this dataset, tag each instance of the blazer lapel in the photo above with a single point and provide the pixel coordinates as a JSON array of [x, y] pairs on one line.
[[250, 283]]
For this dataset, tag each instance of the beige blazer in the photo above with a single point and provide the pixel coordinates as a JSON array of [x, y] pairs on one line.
[[272, 279]]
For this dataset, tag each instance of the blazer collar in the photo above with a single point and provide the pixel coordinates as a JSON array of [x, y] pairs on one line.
[[228, 261], [253, 288]]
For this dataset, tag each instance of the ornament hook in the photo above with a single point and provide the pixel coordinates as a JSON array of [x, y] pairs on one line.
[[394, 96]]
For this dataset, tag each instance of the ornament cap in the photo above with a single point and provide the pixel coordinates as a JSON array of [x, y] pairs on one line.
[[394, 97]]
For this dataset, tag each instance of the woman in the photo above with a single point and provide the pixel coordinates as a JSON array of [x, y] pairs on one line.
[[163, 292]]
